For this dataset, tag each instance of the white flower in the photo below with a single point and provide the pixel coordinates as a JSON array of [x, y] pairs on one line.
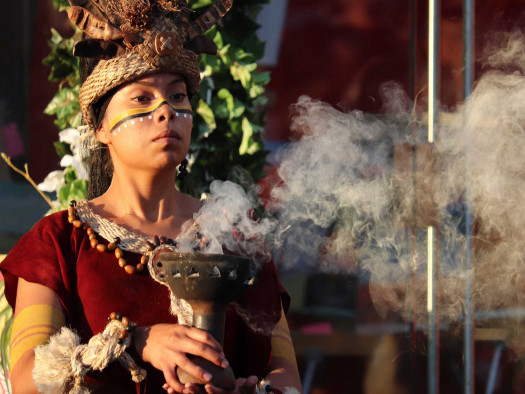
[[76, 162], [53, 182], [69, 136]]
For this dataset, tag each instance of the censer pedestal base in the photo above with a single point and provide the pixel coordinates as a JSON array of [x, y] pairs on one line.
[[208, 282], [211, 318]]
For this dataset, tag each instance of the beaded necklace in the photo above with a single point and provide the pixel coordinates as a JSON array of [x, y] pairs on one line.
[[119, 239]]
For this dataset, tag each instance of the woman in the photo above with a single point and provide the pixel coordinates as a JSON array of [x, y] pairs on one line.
[[71, 270]]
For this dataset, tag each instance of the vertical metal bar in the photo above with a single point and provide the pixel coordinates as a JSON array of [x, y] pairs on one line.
[[433, 65], [433, 68], [412, 72], [431, 309], [468, 78], [494, 366], [468, 46]]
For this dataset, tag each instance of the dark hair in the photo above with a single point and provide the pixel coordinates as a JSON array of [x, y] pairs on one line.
[[100, 164]]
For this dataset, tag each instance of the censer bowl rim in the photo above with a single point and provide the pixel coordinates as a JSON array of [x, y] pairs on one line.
[[203, 257], [192, 276]]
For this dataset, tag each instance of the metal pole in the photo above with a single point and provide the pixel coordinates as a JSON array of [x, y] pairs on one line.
[[433, 67], [468, 78]]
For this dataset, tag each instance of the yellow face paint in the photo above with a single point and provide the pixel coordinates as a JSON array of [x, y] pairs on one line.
[[141, 113]]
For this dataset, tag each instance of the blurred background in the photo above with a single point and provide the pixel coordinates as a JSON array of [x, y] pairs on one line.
[[340, 52]]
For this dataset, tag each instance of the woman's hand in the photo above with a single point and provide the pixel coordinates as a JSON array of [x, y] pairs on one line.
[[242, 386], [165, 346]]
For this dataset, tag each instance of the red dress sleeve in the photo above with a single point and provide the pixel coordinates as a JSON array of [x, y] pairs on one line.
[[44, 255]]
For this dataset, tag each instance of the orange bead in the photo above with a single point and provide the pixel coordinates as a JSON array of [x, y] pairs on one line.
[[144, 259], [123, 334], [118, 253], [140, 267], [71, 211], [77, 223], [101, 247], [94, 243], [92, 236], [112, 246], [90, 231], [122, 263], [113, 316], [70, 219], [125, 321], [130, 269]]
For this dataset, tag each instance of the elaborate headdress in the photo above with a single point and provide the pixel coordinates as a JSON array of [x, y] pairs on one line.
[[138, 37]]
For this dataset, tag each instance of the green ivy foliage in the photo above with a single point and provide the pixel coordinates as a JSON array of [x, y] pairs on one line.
[[229, 108]]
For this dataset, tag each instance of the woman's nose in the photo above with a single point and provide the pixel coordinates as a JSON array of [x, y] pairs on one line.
[[164, 112]]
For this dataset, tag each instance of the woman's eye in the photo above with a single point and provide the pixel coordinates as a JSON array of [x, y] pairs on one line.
[[178, 96], [141, 99]]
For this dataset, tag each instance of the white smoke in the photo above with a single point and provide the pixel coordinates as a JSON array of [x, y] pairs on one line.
[[226, 223], [361, 191]]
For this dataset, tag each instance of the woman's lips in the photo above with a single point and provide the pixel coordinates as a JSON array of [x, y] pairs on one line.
[[167, 137]]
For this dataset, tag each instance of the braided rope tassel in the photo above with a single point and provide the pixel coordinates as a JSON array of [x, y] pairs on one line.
[[62, 364]]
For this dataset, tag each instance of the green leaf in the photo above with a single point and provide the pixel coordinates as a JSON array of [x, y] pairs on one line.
[[61, 5], [235, 107], [262, 78], [217, 39], [248, 144], [78, 190], [206, 113], [5, 338], [242, 73], [76, 119], [70, 174], [63, 193], [63, 64], [65, 106], [62, 148], [225, 95], [247, 133], [195, 4]]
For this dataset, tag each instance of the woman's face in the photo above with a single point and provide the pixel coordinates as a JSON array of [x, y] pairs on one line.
[[147, 124]]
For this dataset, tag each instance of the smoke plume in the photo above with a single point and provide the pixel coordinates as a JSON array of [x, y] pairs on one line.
[[360, 192]]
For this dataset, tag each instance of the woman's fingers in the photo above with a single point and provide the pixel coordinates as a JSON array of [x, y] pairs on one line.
[[171, 379], [192, 388], [168, 346], [177, 339], [195, 341], [204, 337], [201, 349], [242, 386]]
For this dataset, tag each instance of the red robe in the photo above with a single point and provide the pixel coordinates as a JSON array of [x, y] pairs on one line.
[[90, 285]]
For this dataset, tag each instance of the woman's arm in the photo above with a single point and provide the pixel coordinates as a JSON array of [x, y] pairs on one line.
[[38, 315], [283, 365]]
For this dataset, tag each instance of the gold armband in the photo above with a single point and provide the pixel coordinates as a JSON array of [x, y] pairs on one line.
[[34, 326]]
